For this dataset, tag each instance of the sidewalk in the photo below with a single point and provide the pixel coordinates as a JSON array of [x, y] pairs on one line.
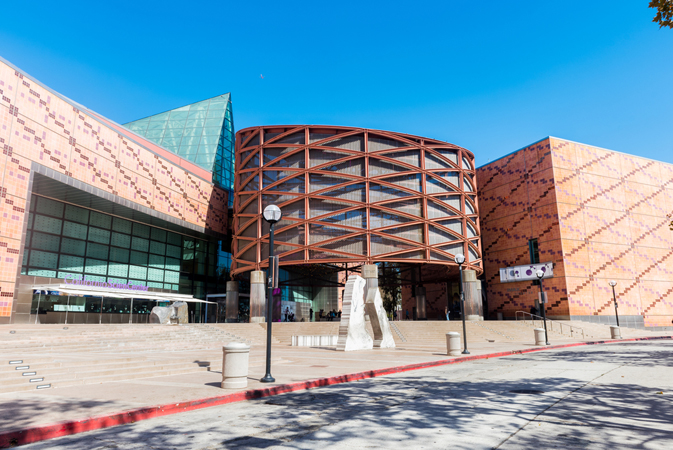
[[614, 396], [299, 368]]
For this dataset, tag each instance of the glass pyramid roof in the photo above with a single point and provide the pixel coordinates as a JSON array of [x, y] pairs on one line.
[[202, 133]]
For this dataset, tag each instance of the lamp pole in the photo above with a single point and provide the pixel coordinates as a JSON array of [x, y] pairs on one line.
[[613, 283], [539, 275], [460, 259], [272, 214]]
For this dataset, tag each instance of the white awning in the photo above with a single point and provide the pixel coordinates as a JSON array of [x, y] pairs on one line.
[[118, 293]]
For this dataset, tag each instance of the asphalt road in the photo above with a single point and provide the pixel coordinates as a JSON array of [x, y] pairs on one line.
[[617, 396]]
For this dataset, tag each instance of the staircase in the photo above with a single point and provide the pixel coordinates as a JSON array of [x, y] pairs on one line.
[[16, 373], [83, 354], [397, 334]]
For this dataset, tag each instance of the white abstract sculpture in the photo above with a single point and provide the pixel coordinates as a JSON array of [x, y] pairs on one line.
[[352, 332], [383, 338]]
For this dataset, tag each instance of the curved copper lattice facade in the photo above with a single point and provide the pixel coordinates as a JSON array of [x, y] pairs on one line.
[[353, 195]]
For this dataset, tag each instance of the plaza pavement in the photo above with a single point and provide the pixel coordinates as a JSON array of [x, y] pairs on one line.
[[610, 396], [26, 409]]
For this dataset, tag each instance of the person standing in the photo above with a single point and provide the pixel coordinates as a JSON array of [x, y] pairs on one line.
[[310, 315], [446, 313], [406, 315]]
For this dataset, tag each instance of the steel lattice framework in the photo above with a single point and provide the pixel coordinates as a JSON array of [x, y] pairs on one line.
[[352, 195]]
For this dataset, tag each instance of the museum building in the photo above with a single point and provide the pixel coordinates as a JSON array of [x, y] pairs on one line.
[[95, 215], [354, 196], [597, 215], [101, 221]]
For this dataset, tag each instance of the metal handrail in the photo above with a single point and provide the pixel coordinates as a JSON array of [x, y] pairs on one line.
[[534, 317]]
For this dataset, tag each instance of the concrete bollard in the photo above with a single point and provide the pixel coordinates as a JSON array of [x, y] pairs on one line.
[[539, 336], [615, 332], [235, 365], [453, 343]]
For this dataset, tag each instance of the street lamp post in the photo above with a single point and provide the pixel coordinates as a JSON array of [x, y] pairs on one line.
[[539, 275], [613, 283], [460, 259], [272, 214]]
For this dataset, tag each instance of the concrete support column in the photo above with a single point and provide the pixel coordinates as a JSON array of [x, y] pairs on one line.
[[420, 303], [370, 272], [257, 296], [472, 291], [231, 302]]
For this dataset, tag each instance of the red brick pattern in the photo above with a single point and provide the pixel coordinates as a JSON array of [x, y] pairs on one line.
[[36, 125], [601, 215]]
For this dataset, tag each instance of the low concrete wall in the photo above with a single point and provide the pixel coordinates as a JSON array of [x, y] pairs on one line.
[[314, 341]]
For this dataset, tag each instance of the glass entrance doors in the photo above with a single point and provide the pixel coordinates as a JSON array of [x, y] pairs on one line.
[[52, 308]]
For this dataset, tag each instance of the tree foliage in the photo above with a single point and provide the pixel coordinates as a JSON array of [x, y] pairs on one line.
[[391, 290], [392, 297], [664, 15]]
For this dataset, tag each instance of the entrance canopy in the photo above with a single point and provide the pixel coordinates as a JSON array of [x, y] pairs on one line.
[[118, 293]]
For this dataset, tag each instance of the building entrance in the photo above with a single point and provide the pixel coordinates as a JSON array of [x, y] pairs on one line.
[[68, 304], [60, 308]]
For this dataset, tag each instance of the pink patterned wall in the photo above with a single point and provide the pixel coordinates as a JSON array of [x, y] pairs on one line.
[[38, 125], [597, 214]]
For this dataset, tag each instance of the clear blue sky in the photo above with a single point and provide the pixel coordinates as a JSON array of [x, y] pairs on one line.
[[492, 76]]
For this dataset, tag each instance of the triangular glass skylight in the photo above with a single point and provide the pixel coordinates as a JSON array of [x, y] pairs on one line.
[[202, 133]]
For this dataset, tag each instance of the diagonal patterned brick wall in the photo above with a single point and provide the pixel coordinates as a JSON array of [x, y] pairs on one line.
[[598, 214], [518, 201]]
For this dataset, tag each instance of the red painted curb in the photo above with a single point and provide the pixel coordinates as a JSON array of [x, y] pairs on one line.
[[41, 433]]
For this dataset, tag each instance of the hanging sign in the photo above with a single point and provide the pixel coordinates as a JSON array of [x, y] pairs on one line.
[[526, 273], [78, 280]]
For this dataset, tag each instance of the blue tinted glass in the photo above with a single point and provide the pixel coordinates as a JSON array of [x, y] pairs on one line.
[[193, 130], [156, 126]]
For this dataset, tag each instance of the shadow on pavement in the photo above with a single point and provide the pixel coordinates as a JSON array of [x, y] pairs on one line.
[[418, 406]]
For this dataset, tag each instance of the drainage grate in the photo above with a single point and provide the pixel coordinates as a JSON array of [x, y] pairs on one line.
[[526, 391]]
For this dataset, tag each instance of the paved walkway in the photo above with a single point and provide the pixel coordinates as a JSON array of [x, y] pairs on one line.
[[25, 409], [603, 396]]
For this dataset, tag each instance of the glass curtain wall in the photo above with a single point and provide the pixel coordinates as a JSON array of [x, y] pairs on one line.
[[202, 133], [66, 241]]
